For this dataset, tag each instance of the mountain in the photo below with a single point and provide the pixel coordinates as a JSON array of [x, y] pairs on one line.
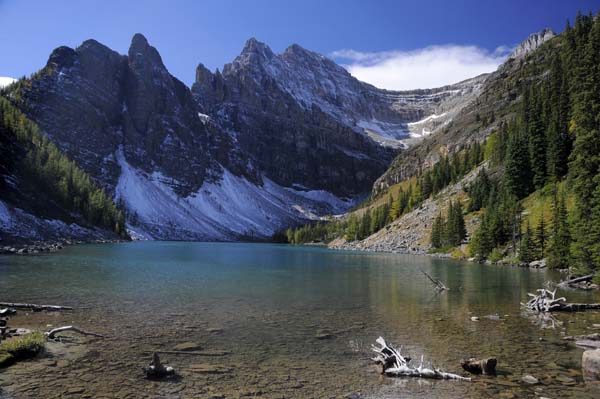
[[532, 42], [271, 141], [475, 120]]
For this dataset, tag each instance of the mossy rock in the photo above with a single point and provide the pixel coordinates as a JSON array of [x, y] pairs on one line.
[[24, 347], [6, 359]]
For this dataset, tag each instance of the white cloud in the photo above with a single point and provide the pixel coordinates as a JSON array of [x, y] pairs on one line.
[[4, 81], [429, 67]]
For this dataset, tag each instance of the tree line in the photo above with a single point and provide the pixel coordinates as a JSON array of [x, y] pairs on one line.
[[428, 182]]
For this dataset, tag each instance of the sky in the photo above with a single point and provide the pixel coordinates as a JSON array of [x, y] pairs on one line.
[[391, 44]]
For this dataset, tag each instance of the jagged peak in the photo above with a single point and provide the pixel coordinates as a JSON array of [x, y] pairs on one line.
[[140, 48], [297, 50], [139, 40], [253, 46], [532, 42]]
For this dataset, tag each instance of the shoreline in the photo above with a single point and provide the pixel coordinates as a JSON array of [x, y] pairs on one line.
[[50, 246]]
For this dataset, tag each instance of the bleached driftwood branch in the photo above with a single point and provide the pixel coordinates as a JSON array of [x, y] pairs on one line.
[[576, 280], [52, 333], [438, 284], [393, 364], [35, 307], [546, 301]]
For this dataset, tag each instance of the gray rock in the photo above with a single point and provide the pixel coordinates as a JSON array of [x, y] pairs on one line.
[[590, 364], [529, 379]]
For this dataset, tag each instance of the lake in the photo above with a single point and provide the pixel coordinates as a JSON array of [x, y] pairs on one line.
[[295, 321]]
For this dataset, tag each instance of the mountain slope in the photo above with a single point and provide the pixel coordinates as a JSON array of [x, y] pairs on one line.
[[43, 194]]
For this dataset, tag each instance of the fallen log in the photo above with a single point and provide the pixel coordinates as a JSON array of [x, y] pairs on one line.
[[585, 341], [437, 283], [52, 333], [546, 301], [393, 364], [576, 280], [35, 307]]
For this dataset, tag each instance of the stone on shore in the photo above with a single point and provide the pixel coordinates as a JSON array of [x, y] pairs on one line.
[[590, 363]]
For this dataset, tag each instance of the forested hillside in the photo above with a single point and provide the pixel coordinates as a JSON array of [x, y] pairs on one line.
[[541, 126], [40, 180]]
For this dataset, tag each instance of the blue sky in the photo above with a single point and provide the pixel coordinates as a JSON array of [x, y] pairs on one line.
[[213, 32]]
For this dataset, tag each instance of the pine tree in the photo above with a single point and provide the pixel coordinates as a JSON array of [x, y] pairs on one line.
[[536, 139], [394, 212], [540, 236], [437, 231], [352, 229], [527, 247], [517, 171], [559, 253]]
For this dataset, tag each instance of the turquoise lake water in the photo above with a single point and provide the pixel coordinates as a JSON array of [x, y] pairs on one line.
[[269, 305]]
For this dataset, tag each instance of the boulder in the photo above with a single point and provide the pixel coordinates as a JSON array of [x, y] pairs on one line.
[[590, 363]]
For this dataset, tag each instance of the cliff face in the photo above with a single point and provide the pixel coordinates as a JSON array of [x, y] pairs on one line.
[[532, 42]]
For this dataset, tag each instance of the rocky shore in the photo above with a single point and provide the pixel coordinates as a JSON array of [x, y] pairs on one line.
[[39, 247]]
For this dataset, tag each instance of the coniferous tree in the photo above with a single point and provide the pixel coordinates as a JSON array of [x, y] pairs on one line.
[[540, 237], [517, 170], [559, 253], [527, 247], [352, 229], [536, 140], [437, 231], [585, 157]]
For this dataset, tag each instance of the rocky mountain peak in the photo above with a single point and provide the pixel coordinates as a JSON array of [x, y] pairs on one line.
[[532, 42], [141, 49]]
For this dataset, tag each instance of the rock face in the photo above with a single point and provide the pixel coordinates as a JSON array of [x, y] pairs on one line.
[[92, 100], [590, 363], [532, 42]]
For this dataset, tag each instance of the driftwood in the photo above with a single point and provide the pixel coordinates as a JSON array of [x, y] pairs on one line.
[[393, 364], [7, 312], [438, 284], [35, 307], [52, 333], [196, 353], [546, 301], [590, 341], [157, 370], [483, 366], [576, 280]]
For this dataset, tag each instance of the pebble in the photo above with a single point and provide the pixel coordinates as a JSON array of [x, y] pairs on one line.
[[529, 379]]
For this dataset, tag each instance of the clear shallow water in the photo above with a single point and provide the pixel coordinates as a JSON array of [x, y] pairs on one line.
[[266, 304]]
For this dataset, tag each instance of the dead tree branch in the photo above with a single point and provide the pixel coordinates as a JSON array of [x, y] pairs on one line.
[[393, 364]]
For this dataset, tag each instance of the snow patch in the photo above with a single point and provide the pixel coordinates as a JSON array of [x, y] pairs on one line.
[[427, 119], [228, 209], [203, 118]]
